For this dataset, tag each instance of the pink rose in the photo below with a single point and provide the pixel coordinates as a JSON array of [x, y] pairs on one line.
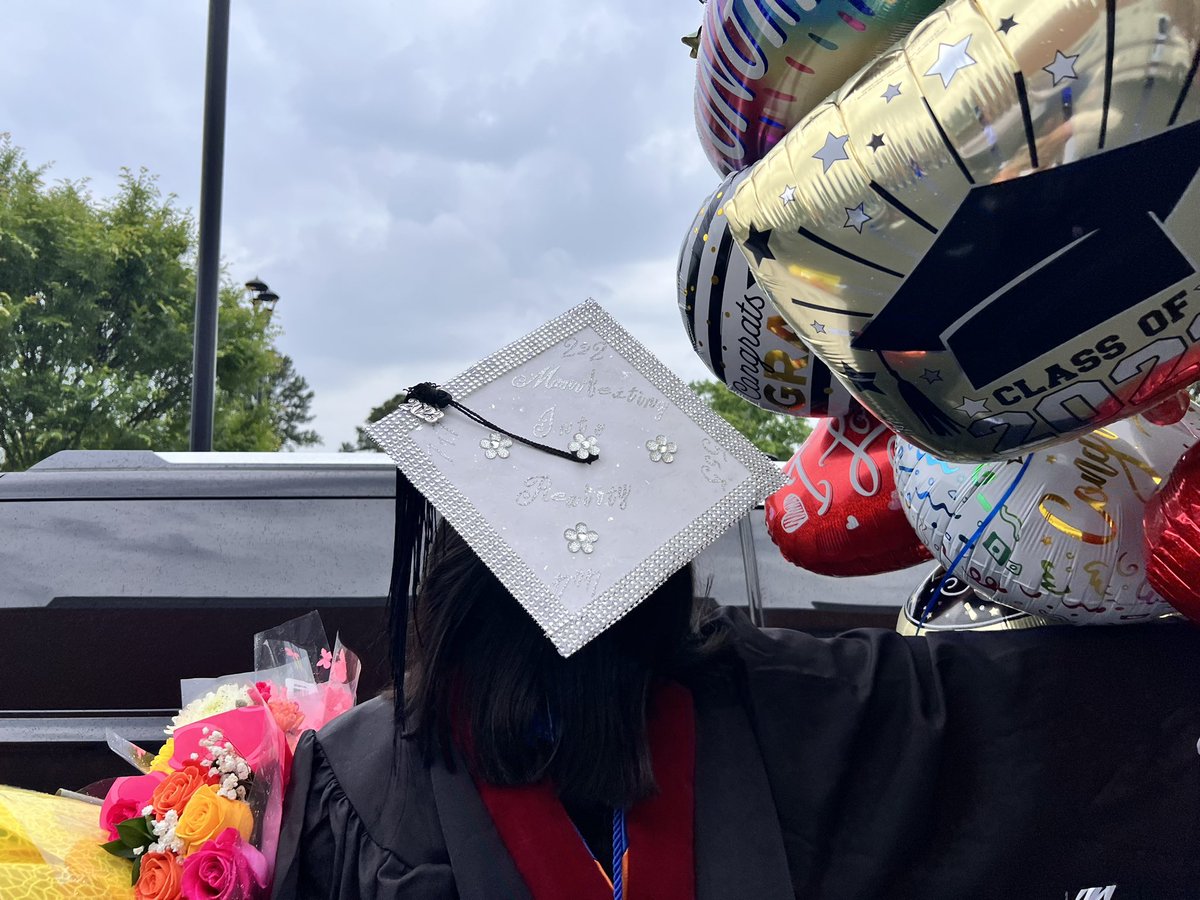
[[126, 799], [226, 868]]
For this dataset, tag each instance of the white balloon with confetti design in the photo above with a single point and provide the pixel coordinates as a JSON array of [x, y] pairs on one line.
[[1057, 532]]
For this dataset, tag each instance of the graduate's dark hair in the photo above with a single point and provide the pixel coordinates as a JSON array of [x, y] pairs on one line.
[[481, 675]]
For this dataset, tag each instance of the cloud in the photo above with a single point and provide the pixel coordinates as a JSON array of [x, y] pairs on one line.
[[420, 185]]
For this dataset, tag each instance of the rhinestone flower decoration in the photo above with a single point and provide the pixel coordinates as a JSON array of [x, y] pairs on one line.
[[495, 445], [580, 539], [583, 447], [661, 450]]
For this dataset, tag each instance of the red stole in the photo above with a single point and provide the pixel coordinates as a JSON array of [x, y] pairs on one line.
[[554, 861]]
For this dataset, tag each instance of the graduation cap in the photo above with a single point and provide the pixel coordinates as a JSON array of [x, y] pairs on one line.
[[1030, 264], [577, 466]]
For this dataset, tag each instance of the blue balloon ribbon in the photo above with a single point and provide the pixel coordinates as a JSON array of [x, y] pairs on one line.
[[966, 548]]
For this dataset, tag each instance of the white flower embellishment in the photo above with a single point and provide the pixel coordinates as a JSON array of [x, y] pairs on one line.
[[580, 538], [495, 445], [661, 450], [583, 447]]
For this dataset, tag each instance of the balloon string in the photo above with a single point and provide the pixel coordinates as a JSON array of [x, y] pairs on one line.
[[966, 548]]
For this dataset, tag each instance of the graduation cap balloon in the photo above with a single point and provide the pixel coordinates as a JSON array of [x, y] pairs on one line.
[[578, 467], [991, 233]]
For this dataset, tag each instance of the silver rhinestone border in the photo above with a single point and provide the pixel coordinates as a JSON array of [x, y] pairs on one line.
[[567, 631]]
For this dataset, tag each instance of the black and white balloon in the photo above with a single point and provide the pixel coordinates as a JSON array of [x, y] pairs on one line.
[[736, 330]]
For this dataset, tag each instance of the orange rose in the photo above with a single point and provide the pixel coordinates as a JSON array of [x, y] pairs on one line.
[[159, 878], [178, 787], [207, 814]]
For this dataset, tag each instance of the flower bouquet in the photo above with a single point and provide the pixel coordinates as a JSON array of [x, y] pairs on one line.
[[203, 817]]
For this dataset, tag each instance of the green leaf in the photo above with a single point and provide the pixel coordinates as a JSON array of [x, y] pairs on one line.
[[118, 848], [137, 832]]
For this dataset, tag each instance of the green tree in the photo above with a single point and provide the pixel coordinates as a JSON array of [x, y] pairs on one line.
[[97, 303], [361, 440], [291, 405], [774, 434]]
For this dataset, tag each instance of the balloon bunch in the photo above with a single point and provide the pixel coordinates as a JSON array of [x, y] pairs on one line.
[[990, 231], [987, 234], [760, 68]]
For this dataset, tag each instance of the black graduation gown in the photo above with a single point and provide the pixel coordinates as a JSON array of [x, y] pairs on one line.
[[1026, 764]]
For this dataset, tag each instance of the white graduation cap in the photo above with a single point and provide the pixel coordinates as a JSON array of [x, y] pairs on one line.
[[579, 468]]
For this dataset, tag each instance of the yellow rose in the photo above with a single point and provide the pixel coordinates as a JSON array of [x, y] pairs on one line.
[[207, 814], [162, 762]]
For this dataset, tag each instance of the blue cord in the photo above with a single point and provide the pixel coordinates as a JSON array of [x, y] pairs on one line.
[[966, 548], [620, 845]]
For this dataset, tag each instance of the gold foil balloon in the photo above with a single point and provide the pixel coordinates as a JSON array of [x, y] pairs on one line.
[[991, 233], [736, 331], [762, 64], [1057, 533]]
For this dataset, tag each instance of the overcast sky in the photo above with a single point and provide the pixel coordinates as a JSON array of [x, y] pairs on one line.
[[421, 182]]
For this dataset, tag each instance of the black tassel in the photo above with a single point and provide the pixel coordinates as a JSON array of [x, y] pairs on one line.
[[415, 521], [431, 395]]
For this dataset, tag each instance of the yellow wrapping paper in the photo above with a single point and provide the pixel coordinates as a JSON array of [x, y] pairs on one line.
[[50, 848]]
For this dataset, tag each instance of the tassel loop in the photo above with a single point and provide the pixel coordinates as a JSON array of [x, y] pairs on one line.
[[429, 396]]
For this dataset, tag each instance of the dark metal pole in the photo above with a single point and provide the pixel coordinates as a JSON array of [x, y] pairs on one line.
[[750, 564], [208, 266]]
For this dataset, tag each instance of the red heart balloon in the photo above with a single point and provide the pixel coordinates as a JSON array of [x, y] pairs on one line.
[[840, 515], [1171, 531]]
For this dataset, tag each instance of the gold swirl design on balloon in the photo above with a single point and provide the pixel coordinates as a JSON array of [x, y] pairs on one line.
[[991, 233], [1087, 537]]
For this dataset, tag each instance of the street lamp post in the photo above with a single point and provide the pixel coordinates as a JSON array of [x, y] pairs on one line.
[[264, 299], [261, 296], [208, 265]]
